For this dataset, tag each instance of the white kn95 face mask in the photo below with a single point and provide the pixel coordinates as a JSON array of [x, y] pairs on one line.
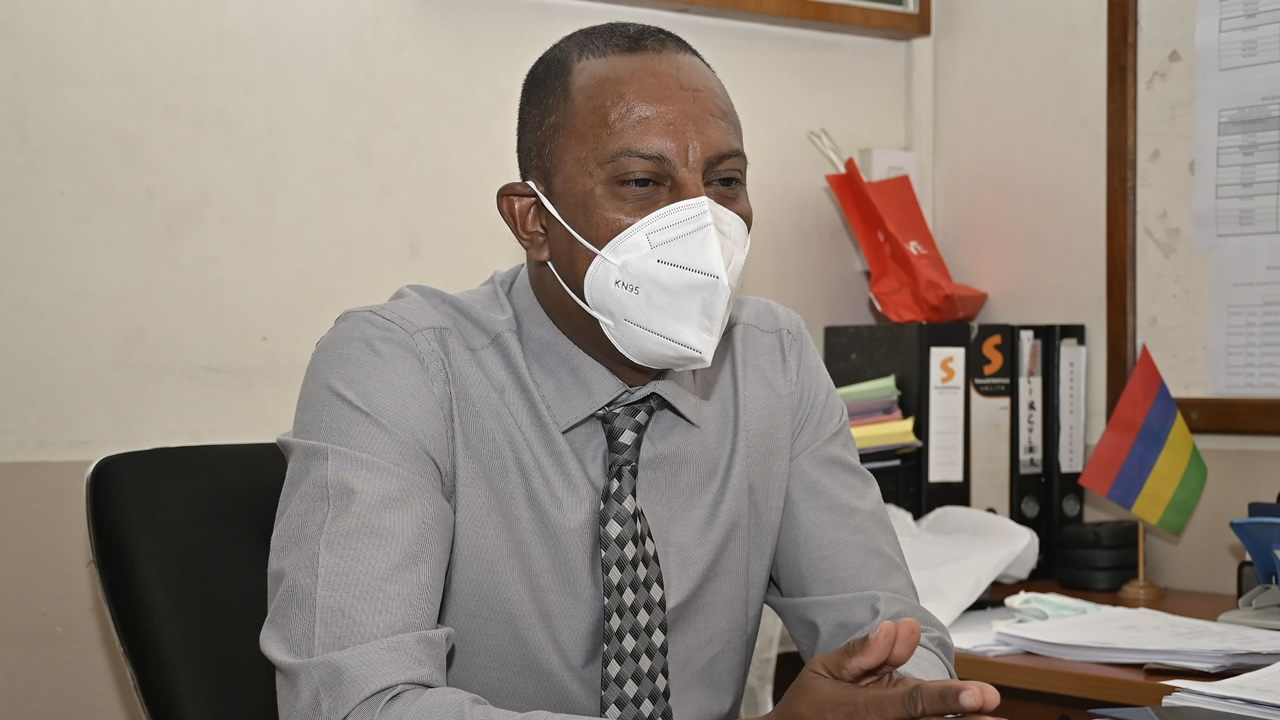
[[663, 288]]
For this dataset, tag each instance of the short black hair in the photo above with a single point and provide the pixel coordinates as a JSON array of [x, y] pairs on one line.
[[545, 93]]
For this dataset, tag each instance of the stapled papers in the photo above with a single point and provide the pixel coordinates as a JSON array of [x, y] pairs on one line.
[[1141, 635]]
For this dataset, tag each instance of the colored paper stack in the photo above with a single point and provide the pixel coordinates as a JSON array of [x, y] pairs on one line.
[[883, 435]]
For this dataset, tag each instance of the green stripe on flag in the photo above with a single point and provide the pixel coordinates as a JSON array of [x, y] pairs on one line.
[[1184, 500]]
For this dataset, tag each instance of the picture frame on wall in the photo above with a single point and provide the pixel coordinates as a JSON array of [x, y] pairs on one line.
[[895, 19]]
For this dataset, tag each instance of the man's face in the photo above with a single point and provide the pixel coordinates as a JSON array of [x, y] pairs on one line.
[[641, 132]]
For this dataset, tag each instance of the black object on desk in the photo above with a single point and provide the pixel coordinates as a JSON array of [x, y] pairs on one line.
[[1097, 556]]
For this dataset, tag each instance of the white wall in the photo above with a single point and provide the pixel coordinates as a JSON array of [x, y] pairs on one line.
[[1020, 163], [192, 192], [1020, 210]]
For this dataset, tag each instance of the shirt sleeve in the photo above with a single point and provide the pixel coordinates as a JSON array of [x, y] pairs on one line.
[[363, 535], [838, 570]]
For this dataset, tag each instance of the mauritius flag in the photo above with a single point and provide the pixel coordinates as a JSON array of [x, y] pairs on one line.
[[1146, 461]]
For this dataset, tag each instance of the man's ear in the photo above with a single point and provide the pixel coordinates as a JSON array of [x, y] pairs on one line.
[[519, 207]]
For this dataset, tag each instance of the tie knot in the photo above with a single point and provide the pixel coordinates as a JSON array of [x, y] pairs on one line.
[[624, 427]]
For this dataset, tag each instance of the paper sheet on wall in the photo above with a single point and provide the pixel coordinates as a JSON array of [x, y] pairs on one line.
[[1237, 191], [1243, 341], [1237, 160], [945, 443]]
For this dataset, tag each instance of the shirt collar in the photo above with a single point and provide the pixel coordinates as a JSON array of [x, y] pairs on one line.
[[572, 384]]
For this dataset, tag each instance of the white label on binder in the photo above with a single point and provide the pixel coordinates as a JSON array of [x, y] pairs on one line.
[[1030, 405], [945, 444], [989, 432], [991, 426], [1071, 385]]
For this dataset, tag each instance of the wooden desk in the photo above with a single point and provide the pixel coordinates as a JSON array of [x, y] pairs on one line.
[[1041, 688]]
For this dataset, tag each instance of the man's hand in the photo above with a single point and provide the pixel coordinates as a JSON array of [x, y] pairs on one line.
[[860, 681]]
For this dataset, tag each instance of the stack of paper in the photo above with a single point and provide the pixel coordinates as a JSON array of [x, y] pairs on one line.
[[876, 421], [1255, 694], [881, 436], [974, 632], [871, 401], [1141, 635]]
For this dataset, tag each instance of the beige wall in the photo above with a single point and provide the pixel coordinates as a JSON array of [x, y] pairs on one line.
[[1019, 208], [191, 192], [194, 191], [1019, 162]]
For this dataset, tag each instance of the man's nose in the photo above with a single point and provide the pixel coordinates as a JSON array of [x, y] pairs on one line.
[[687, 187]]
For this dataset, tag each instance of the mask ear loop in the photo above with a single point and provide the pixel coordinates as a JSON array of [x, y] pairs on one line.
[[551, 208], [556, 214]]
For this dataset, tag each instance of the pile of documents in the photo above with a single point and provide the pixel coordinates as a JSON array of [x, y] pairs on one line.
[[875, 419], [1254, 694], [1141, 635]]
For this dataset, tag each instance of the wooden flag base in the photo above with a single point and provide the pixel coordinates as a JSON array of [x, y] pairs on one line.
[[1141, 590]]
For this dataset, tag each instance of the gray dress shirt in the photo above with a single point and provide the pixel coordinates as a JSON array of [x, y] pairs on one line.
[[436, 549]]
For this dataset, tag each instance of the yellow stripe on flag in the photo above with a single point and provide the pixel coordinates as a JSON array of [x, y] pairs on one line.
[[1167, 473]]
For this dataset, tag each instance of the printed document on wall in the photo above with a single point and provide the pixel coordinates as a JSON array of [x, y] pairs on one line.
[[1243, 341], [1237, 158]]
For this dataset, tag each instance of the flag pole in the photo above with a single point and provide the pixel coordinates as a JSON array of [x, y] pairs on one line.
[[1140, 589]]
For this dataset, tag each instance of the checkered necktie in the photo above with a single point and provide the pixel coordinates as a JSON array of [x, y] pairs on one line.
[[633, 672]]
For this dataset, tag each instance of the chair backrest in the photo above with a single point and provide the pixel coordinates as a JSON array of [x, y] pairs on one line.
[[180, 539]]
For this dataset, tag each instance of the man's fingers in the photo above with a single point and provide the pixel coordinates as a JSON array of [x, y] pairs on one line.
[[989, 695], [920, 699], [860, 657], [906, 637], [904, 646]]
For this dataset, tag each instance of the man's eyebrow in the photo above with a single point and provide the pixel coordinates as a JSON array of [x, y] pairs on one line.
[[725, 157], [637, 154], [664, 161]]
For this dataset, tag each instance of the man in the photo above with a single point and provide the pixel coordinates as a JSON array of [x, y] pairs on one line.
[[570, 491]]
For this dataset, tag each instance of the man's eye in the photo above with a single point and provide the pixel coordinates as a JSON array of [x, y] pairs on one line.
[[727, 182], [640, 182]]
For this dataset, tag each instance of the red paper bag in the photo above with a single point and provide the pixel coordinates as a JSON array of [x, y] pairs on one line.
[[909, 280]]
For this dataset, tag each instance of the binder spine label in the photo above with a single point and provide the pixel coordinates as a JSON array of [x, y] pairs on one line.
[[946, 437], [1031, 405], [1071, 410]]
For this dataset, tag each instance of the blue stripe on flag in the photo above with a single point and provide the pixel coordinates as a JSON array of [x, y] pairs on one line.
[[1146, 449]]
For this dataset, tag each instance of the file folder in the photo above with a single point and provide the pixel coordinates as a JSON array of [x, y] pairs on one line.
[[929, 362], [1064, 379], [1049, 400], [898, 476], [1028, 504]]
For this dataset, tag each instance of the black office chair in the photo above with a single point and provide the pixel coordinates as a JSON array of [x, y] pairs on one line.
[[180, 538]]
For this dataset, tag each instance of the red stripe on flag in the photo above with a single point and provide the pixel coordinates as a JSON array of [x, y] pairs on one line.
[[1123, 427]]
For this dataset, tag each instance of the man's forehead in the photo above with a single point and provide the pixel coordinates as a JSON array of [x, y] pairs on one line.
[[662, 79]]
